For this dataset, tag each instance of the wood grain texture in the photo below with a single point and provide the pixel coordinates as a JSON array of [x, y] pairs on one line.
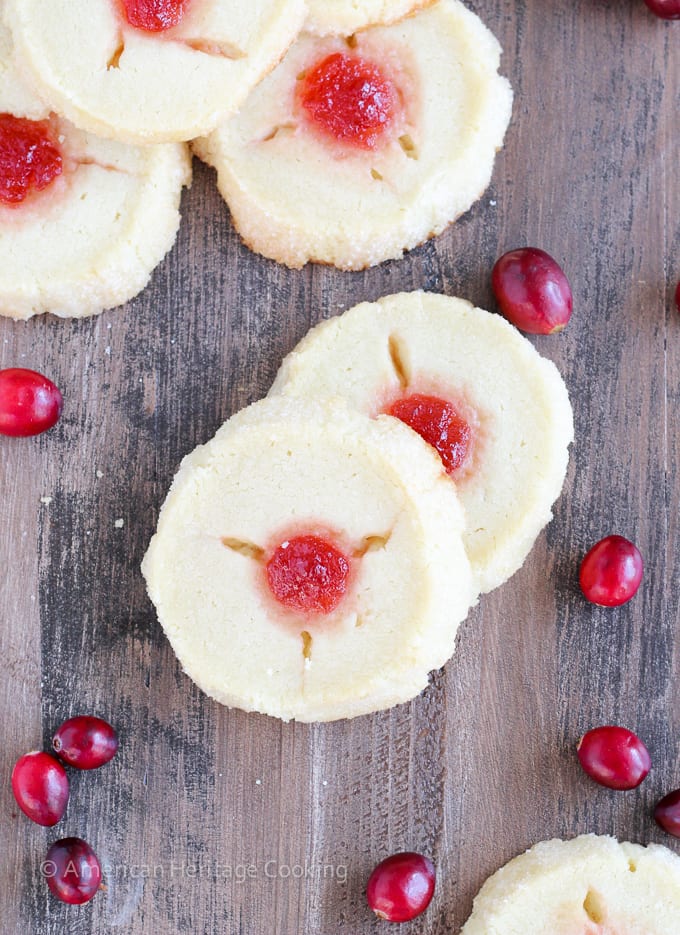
[[206, 814]]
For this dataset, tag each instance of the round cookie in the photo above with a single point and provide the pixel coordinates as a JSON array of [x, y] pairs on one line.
[[89, 234], [587, 886], [423, 113], [343, 17], [380, 355], [276, 473], [132, 84]]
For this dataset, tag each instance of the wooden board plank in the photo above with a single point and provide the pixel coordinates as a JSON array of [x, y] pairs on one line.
[[207, 814]]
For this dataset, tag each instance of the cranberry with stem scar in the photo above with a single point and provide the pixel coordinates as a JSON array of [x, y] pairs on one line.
[[532, 291], [614, 757], [85, 742], [665, 9], [29, 402], [667, 813], [72, 871], [611, 572], [401, 887], [40, 786]]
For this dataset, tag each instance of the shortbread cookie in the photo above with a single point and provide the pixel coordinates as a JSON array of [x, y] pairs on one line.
[[351, 152], [83, 222], [343, 17], [497, 411], [308, 562], [144, 71], [16, 96], [587, 886]]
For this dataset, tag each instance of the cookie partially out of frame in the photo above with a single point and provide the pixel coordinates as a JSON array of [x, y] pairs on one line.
[[297, 194], [412, 345], [587, 886], [90, 239], [343, 17], [127, 83], [283, 469]]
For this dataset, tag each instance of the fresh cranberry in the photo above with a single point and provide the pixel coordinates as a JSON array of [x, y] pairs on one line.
[[85, 742], [401, 887], [308, 574], [666, 9], [30, 159], [72, 871], [40, 786], [29, 402], [614, 757], [349, 99], [611, 572], [155, 15], [439, 424], [667, 813], [532, 291], [677, 296]]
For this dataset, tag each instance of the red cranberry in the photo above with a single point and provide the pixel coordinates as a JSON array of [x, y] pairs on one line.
[[614, 757], [666, 9], [611, 572], [155, 15], [401, 887], [677, 296], [72, 871], [30, 158], [532, 291], [29, 402], [308, 574], [85, 742], [667, 813], [349, 99], [435, 420], [40, 786]]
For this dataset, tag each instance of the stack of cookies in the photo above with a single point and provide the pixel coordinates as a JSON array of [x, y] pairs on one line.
[[314, 560], [345, 133]]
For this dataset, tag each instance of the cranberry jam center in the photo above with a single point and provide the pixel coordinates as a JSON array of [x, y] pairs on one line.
[[155, 15], [436, 421], [308, 574], [30, 159], [349, 99]]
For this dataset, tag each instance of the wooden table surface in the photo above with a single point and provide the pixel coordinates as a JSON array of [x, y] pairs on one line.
[[215, 821]]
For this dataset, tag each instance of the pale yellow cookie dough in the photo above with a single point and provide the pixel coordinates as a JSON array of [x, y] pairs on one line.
[[285, 467], [343, 17], [90, 240], [296, 197], [587, 886], [425, 343], [16, 95], [127, 84]]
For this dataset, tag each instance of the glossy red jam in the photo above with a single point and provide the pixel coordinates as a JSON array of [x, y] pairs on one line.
[[154, 15], [308, 574], [348, 99], [436, 421], [30, 159]]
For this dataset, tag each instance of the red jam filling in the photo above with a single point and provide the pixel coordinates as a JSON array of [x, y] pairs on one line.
[[30, 159], [154, 15], [349, 99], [308, 574], [436, 421]]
